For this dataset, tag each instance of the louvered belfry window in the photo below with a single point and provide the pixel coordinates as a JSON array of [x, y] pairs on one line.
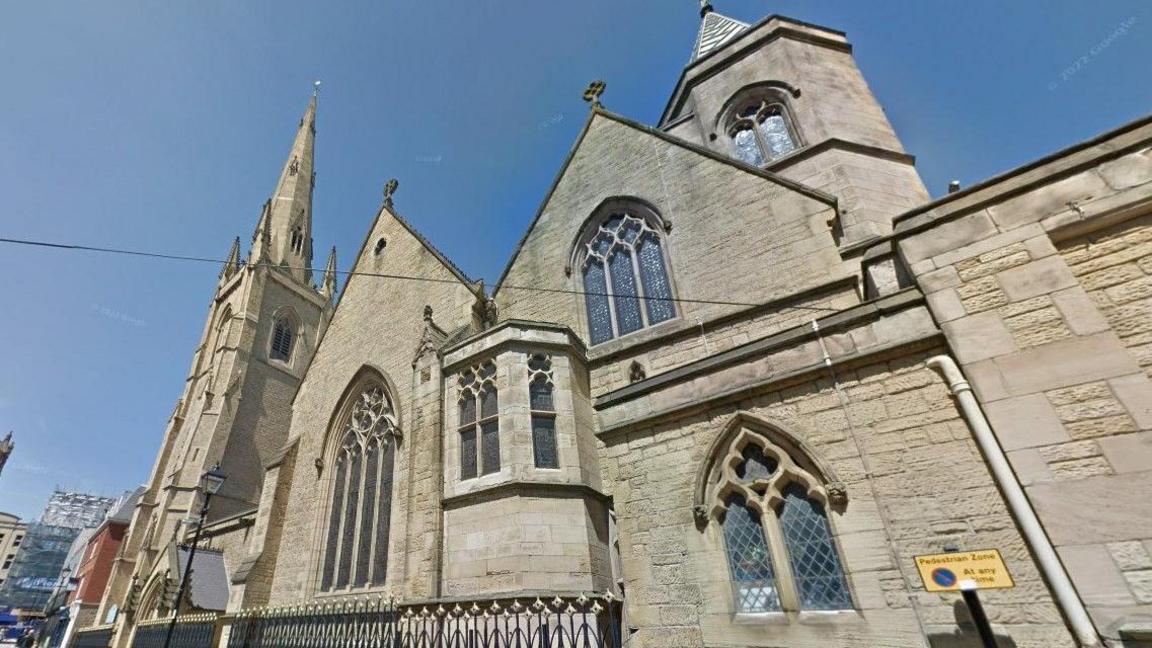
[[479, 421], [625, 278], [781, 551], [356, 547], [283, 335]]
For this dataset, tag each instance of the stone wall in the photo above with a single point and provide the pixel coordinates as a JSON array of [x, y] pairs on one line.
[[775, 245], [916, 483], [1115, 267], [378, 324], [1038, 281]]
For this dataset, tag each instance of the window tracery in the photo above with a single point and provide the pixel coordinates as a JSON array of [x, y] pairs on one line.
[[761, 131], [779, 545], [540, 399], [361, 506], [625, 277], [479, 427]]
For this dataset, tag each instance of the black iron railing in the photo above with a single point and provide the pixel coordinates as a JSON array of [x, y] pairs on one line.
[[561, 622], [97, 637], [191, 631]]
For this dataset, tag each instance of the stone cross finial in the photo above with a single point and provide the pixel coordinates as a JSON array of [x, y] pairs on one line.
[[592, 94], [389, 189], [705, 8], [315, 87], [6, 447]]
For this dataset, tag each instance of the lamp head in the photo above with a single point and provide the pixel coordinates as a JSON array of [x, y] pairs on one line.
[[213, 480]]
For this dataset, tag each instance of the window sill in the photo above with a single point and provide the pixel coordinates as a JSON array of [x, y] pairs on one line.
[[827, 617], [760, 618], [805, 617]]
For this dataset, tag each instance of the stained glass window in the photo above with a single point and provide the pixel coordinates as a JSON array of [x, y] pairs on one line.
[[468, 453], [774, 130], [348, 533], [749, 560], [747, 147], [624, 291], [755, 465], [626, 281], [332, 545], [479, 438], [761, 133], [544, 442], [358, 522], [793, 531], [596, 300], [368, 510], [816, 568], [654, 278], [490, 443], [544, 451], [540, 394], [384, 514]]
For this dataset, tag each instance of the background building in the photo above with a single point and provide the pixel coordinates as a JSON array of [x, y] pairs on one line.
[[12, 532], [74, 601], [35, 571], [75, 510]]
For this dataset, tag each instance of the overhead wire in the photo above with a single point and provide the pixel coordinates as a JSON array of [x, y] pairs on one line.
[[379, 275]]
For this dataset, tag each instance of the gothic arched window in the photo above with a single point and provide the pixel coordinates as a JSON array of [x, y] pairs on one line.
[[361, 505], [625, 275], [283, 335], [761, 131], [544, 450], [479, 435], [780, 549]]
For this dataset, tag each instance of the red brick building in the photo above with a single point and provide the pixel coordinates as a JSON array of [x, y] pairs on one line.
[[91, 574]]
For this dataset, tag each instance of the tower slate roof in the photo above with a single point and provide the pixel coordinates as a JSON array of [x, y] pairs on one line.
[[715, 31]]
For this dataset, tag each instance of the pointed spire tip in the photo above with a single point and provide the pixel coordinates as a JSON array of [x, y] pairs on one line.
[[705, 8]]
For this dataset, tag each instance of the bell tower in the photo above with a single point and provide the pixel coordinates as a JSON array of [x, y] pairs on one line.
[[787, 96], [265, 320]]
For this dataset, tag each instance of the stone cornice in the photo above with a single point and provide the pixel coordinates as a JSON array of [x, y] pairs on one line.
[[857, 314], [571, 342], [1048, 169], [626, 346], [523, 487]]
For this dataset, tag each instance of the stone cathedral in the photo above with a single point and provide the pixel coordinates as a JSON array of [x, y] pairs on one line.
[[739, 372]]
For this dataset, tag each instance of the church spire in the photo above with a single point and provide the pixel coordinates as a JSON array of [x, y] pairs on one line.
[[232, 264], [285, 231], [715, 31], [328, 285]]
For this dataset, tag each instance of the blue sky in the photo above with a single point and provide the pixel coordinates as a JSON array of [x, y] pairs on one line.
[[163, 126]]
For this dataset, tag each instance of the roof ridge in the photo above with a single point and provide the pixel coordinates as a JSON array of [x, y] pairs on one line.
[[431, 248]]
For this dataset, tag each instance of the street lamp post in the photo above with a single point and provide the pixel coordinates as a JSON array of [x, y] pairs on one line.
[[210, 482]]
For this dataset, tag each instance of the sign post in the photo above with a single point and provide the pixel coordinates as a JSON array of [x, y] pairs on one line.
[[976, 609], [967, 572]]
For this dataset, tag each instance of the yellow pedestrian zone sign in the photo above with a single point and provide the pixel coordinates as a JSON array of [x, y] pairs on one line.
[[964, 570]]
